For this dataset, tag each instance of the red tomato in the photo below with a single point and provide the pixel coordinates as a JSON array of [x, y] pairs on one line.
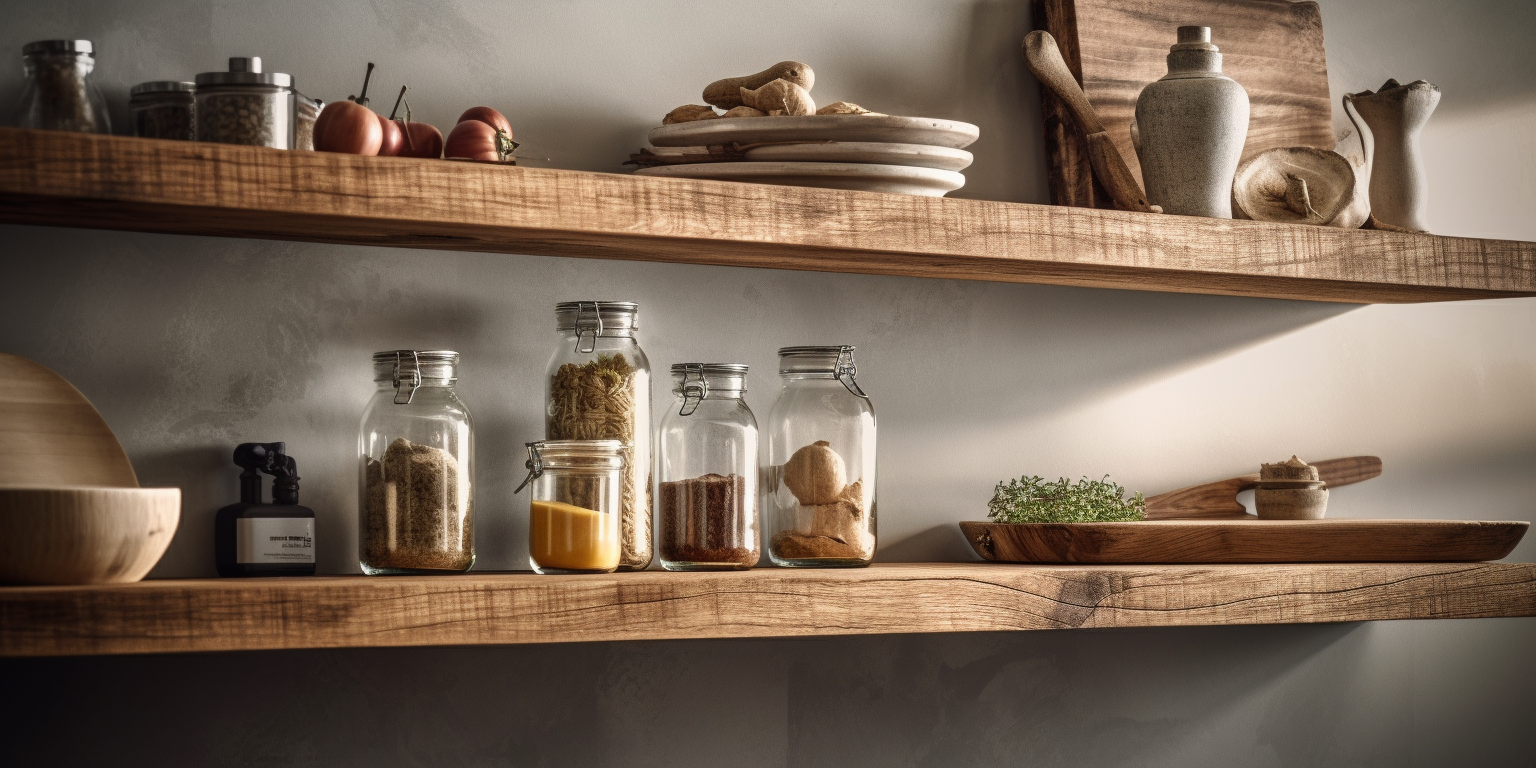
[[348, 127], [475, 140], [422, 140], [394, 137], [488, 116]]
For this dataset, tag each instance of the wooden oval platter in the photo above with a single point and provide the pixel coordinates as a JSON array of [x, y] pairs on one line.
[[867, 177], [1246, 541], [761, 130], [51, 435]]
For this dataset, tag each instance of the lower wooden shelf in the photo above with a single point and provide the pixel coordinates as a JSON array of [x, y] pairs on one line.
[[172, 616]]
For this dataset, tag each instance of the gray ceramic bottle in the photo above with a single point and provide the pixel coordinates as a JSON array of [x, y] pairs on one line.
[[1191, 125]]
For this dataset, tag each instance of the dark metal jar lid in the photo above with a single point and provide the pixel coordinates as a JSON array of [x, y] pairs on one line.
[[162, 86], [245, 70], [58, 46]]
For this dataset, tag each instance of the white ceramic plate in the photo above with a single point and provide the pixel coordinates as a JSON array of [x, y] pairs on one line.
[[921, 155], [758, 130], [898, 179]]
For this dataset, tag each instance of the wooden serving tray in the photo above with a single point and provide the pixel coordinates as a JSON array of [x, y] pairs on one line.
[[1246, 541]]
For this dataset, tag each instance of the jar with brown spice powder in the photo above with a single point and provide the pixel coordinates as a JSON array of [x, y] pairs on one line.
[[58, 94], [706, 494], [417, 456], [599, 388]]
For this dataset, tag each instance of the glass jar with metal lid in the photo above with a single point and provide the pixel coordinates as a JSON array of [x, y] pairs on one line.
[[574, 516], [599, 388], [818, 459], [245, 105], [706, 494], [58, 94], [417, 451], [164, 109]]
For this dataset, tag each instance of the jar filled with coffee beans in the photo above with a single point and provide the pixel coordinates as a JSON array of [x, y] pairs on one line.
[[164, 109], [246, 105]]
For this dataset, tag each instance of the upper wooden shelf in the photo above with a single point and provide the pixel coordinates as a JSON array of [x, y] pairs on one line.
[[77, 180], [477, 609]]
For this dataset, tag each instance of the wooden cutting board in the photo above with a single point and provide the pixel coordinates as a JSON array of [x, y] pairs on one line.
[[50, 435], [1273, 48], [1246, 541]]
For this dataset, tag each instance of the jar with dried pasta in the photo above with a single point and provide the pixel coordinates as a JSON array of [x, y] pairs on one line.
[[417, 452], [818, 462], [599, 388]]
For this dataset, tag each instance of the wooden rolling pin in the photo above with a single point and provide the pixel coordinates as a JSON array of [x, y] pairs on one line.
[[1218, 500], [1044, 59]]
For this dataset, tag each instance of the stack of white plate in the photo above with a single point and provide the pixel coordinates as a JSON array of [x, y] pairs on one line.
[[905, 155]]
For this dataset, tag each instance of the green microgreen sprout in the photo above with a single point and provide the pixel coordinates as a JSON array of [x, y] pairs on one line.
[[1031, 499]]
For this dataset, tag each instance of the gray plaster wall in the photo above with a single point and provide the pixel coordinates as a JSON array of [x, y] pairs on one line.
[[189, 345]]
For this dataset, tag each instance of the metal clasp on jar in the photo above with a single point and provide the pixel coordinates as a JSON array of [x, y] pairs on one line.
[[535, 464], [694, 388], [846, 371], [413, 371], [583, 329]]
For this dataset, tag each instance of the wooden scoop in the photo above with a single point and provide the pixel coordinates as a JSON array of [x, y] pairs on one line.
[[1044, 59], [1218, 500]]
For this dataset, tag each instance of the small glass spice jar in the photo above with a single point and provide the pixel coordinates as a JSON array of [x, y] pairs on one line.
[[245, 105], [577, 502], [164, 109], [305, 112], [58, 94], [598, 387], [417, 451], [818, 459], [706, 495]]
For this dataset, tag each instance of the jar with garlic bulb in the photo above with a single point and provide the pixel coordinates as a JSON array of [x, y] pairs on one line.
[[818, 462]]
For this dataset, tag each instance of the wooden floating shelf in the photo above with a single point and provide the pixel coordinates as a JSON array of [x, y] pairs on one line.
[[78, 180], [479, 609]]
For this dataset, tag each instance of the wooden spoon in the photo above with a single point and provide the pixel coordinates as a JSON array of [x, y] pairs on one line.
[[1044, 59], [1218, 500]]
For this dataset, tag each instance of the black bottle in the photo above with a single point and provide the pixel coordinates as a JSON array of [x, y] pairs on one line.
[[256, 539]]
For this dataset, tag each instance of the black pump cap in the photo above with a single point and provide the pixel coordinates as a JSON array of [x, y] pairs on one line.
[[270, 458]]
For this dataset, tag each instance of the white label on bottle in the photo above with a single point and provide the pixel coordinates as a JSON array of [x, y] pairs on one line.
[[275, 540]]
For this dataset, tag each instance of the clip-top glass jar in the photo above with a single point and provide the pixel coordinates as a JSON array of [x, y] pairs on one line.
[[706, 496], [818, 460], [164, 109], [246, 105], [58, 94], [417, 449], [599, 388], [578, 486]]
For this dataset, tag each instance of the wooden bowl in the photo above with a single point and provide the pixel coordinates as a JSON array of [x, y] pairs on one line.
[[84, 534]]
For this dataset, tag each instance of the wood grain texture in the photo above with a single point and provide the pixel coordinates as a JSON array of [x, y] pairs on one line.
[[84, 535], [475, 609], [1219, 499], [1273, 48], [1246, 541], [65, 179], [50, 435]]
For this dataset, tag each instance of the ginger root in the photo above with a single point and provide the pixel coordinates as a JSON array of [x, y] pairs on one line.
[[780, 97], [815, 474], [689, 113], [744, 112], [726, 93]]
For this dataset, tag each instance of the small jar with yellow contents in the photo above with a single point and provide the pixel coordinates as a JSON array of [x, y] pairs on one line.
[[577, 501]]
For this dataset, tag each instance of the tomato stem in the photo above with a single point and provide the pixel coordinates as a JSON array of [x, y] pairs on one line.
[[362, 98], [399, 99]]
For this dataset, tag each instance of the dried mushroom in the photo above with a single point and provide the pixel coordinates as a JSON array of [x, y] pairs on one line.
[[1300, 185]]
